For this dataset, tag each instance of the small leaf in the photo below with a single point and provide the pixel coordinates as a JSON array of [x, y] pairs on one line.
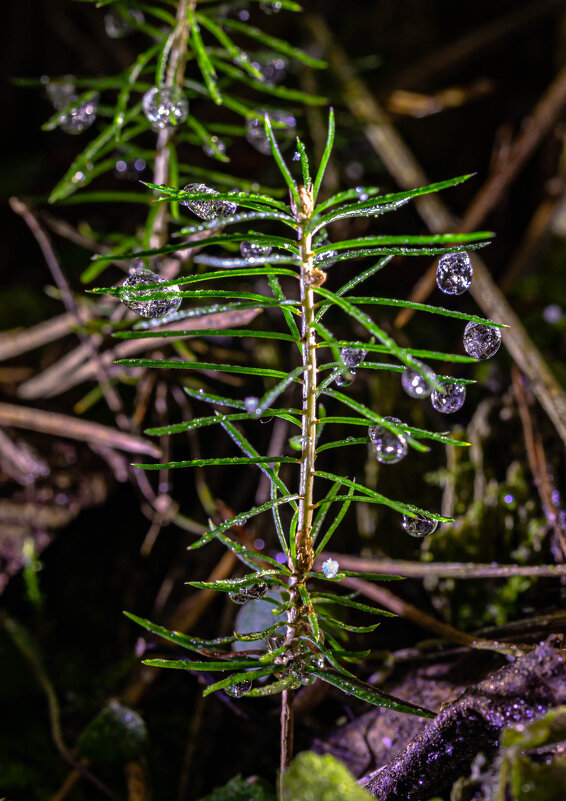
[[182, 664], [237, 678], [326, 154], [369, 693]]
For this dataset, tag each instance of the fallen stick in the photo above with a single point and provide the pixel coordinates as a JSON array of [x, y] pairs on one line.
[[62, 425]]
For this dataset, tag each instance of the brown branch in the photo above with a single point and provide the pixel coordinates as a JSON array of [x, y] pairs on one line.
[[460, 570], [404, 609], [538, 463], [68, 427]]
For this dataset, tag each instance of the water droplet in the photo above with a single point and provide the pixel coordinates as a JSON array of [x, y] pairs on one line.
[[345, 379], [389, 448], [330, 568], [552, 313], [327, 259], [237, 690], [116, 26], [415, 384], [215, 146], [419, 526], [165, 107], [148, 308], [352, 357], [273, 69], [449, 398], [481, 341], [253, 593], [354, 170], [362, 195], [251, 404], [454, 273], [129, 170], [255, 127], [296, 156], [251, 249], [61, 91], [271, 7], [80, 117], [207, 209]]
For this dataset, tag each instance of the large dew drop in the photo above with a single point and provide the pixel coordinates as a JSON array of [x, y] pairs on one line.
[[419, 526], [345, 379], [454, 273], [251, 249], [208, 209], [481, 341], [80, 117], [253, 593], [352, 357], [389, 448], [449, 398], [237, 690], [165, 107], [415, 384], [255, 127], [61, 91], [330, 568], [148, 308]]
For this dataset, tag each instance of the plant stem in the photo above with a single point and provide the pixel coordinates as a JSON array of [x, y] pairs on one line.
[[304, 556], [304, 548], [174, 77], [287, 718]]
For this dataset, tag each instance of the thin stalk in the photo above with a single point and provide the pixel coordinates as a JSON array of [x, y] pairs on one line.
[[174, 78], [301, 561]]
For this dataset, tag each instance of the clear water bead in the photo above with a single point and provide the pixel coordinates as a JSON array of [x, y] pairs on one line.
[[481, 341], [415, 384], [389, 448], [251, 249], [148, 308], [454, 273], [251, 403], [165, 107], [215, 146], [352, 357], [327, 259], [449, 398], [345, 379], [255, 127], [253, 593], [237, 690], [118, 26], [80, 117], [273, 70], [419, 526], [207, 209], [61, 91], [330, 568]]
